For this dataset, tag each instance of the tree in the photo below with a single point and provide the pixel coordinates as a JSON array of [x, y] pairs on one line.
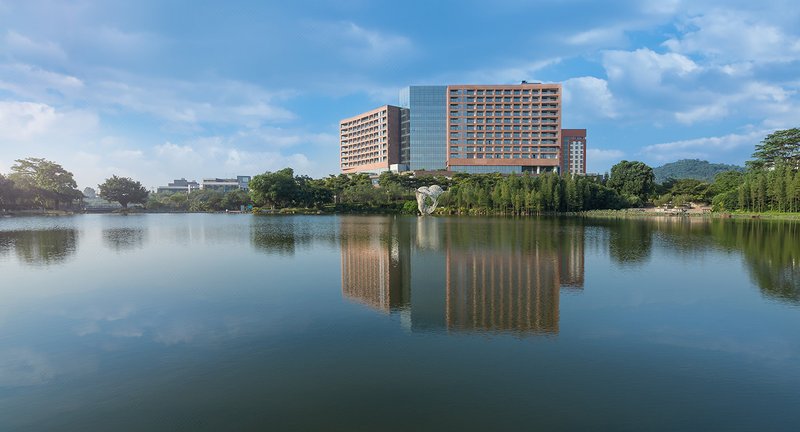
[[727, 181], [123, 190], [89, 192], [45, 181], [276, 189], [632, 178], [234, 200], [8, 192], [780, 147]]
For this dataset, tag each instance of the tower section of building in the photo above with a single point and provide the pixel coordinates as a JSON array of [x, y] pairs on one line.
[[370, 142], [423, 128], [503, 128], [573, 151]]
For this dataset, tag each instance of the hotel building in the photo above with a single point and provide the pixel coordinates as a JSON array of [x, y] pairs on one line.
[[504, 128], [573, 151], [370, 142], [466, 128]]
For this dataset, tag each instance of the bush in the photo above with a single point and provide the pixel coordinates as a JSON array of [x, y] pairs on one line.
[[410, 207], [726, 201]]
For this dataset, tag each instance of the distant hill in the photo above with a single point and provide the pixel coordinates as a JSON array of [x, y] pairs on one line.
[[692, 169]]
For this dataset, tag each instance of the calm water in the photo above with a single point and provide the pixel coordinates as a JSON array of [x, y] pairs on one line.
[[236, 322]]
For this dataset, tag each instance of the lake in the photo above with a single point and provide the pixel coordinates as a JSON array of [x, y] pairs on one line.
[[210, 322]]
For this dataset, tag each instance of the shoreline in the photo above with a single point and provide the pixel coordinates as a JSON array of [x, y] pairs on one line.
[[621, 214]]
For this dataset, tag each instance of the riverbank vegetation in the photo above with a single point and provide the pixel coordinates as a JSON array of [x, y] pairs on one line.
[[771, 183]]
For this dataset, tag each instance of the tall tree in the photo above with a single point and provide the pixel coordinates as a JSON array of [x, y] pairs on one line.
[[632, 178], [45, 181], [123, 190], [89, 192], [780, 147], [8, 193], [278, 189]]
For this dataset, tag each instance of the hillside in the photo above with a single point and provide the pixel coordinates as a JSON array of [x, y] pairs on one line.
[[692, 169]]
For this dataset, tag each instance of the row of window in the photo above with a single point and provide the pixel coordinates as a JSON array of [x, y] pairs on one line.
[[504, 149], [355, 164], [481, 92], [456, 134], [516, 99], [502, 141], [507, 105], [363, 120], [504, 113], [507, 127], [502, 156], [525, 120], [363, 146]]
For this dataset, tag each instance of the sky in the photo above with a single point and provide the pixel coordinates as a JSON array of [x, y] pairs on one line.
[[158, 90]]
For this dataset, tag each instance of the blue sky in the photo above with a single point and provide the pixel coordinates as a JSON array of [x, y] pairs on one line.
[[158, 90]]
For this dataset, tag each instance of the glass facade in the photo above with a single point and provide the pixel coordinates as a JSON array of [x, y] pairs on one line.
[[423, 142]]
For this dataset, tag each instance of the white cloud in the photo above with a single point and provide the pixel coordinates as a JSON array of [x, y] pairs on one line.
[[358, 43], [33, 83], [717, 148], [503, 75], [588, 97], [601, 160], [646, 69], [27, 121], [190, 103], [752, 97], [728, 35], [19, 45], [714, 111], [599, 36], [175, 151]]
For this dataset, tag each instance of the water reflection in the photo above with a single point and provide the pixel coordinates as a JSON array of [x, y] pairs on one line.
[[630, 242], [771, 252], [43, 247], [376, 262], [124, 239], [279, 235], [770, 248], [463, 275]]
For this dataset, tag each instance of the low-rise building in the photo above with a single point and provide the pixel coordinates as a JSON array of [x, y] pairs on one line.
[[226, 185], [179, 185]]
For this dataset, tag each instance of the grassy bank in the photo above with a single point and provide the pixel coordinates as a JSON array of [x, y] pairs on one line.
[[634, 213]]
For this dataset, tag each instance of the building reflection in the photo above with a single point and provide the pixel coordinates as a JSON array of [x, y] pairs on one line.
[[375, 263], [462, 275]]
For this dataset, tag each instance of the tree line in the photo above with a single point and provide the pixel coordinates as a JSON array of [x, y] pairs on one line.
[[40, 184], [770, 183]]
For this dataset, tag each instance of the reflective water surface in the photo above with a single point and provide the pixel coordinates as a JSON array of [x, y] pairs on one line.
[[237, 322]]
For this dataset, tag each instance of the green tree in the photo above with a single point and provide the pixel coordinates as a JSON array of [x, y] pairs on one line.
[[726, 181], [89, 192], [205, 200], [234, 200], [782, 146], [8, 193], [277, 189], [632, 178], [45, 181], [123, 190]]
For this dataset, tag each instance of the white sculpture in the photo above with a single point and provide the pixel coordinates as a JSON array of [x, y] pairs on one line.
[[433, 192]]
